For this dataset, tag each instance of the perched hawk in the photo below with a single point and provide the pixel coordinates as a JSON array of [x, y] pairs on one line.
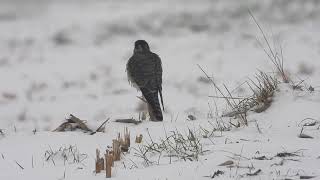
[[144, 70]]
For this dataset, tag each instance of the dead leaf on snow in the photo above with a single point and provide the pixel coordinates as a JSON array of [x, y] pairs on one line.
[[227, 163]]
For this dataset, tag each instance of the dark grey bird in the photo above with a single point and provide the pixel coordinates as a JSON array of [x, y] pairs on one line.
[[144, 70]]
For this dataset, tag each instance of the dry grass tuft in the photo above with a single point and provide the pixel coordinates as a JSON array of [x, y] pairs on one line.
[[68, 154], [176, 145], [263, 90], [263, 87], [274, 54]]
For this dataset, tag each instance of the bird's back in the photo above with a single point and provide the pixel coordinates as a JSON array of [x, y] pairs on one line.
[[142, 69]]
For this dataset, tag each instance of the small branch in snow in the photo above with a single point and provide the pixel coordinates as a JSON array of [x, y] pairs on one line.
[[81, 123], [227, 97], [286, 154], [307, 177], [258, 128], [128, 121], [133, 164], [227, 163], [241, 167], [215, 174], [19, 165], [255, 173], [101, 128], [301, 135]]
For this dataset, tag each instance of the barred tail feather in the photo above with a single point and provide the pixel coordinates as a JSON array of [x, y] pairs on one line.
[[154, 104]]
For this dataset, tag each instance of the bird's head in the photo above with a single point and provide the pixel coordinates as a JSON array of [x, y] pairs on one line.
[[141, 46]]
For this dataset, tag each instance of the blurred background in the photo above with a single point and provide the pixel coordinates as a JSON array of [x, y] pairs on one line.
[[69, 56]]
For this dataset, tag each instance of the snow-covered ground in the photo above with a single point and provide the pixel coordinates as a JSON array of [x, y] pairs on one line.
[[62, 57]]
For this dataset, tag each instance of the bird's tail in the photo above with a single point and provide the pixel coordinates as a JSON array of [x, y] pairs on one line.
[[160, 92], [154, 104]]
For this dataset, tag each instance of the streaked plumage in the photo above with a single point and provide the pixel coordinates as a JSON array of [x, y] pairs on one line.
[[144, 70]]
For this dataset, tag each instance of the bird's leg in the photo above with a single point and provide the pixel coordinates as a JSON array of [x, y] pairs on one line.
[[151, 114], [150, 110], [154, 108]]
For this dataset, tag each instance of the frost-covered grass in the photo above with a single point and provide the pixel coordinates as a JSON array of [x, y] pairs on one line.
[[59, 57]]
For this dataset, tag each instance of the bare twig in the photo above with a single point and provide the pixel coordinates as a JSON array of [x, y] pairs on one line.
[[128, 121], [19, 165], [101, 128]]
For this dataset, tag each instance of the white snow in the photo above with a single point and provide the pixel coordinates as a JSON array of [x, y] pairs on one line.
[[62, 57]]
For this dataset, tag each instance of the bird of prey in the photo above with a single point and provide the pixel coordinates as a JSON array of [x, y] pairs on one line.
[[144, 70]]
